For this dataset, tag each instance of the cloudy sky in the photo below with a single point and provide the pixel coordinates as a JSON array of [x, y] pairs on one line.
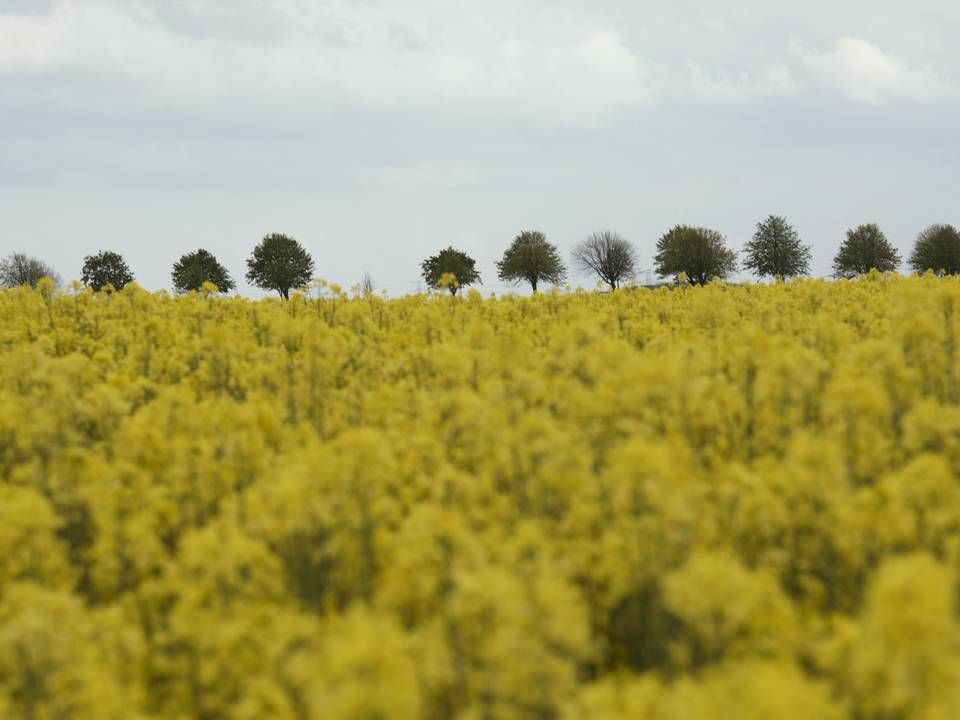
[[377, 131]]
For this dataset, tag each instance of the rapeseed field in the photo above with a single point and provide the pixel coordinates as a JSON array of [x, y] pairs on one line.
[[731, 501]]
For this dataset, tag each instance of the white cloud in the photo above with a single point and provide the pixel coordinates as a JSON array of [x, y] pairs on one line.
[[864, 72], [509, 56], [776, 80], [530, 59], [543, 59]]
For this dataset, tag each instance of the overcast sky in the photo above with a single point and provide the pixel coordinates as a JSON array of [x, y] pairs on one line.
[[378, 131]]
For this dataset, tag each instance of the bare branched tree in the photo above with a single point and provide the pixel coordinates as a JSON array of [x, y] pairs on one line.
[[367, 286], [21, 269], [608, 256]]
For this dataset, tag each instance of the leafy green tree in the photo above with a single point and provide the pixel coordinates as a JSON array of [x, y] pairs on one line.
[[192, 270], [21, 269], [776, 250], [866, 248], [453, 262], [105, 268], [699, 253], [532, 259], [607, 255], [938, 249], [279, 263]]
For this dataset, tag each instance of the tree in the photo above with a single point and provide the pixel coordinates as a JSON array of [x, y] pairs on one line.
[[866, 248], [105, 268], [279, 263], [699, 253], [192, 270], [453, 262], [607, 255], [531, 258], [776, 250], [367, 286], [21, 269], [938, 249]]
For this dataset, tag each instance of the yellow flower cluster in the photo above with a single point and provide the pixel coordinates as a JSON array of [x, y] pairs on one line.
[[682, 504]]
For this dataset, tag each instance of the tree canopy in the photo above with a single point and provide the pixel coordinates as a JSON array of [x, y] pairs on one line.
[[699, 253], [105, 268], [938, 249], [776, 250], [866, 248], [532, 259], [20, 269], [192, 270], [607, 255], [450, 261], [280, 263]]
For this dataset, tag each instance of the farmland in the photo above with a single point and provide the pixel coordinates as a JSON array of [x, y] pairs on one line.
[[659, 504]]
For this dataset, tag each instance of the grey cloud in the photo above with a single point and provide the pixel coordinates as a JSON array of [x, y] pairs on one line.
[[378, 131]]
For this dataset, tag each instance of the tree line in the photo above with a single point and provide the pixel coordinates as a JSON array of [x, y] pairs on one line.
[[687, 254]]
